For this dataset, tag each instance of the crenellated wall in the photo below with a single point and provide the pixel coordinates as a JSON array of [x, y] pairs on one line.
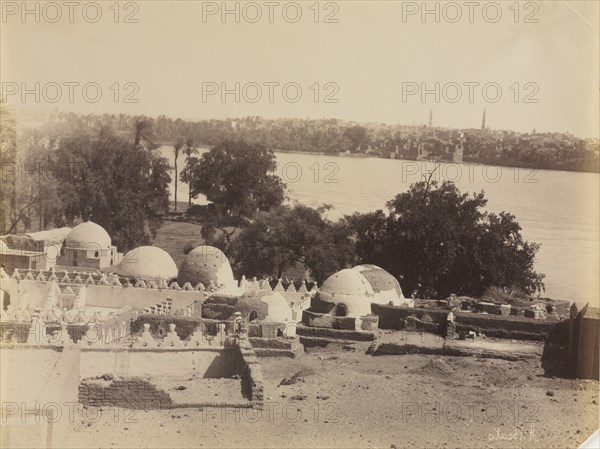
[[111, 291]]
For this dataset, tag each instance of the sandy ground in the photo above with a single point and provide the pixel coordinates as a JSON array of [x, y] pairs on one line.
[[349, 399]]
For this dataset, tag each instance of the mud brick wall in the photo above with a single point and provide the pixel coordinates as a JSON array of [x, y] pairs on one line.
[[428, 319], [510, 327], [202, 362], [159, 325], [325, 320], [14, 332], [322, 332], [251, 374], [135, 393]]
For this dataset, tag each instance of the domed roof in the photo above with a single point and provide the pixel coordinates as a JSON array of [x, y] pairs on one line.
[[356, 288], [381, 281], [147, 262], [205, 264], [347, 282], [88, 235]]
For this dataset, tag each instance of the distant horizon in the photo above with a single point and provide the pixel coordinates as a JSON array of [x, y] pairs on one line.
[[18, 109]]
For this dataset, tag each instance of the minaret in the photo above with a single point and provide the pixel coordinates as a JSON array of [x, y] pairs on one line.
[[431, 118], [483, 121]]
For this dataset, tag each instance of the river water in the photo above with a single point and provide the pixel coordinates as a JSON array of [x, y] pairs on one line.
[[558, 209]]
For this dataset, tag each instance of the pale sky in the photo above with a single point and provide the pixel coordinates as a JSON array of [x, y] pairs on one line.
[[368, 54]]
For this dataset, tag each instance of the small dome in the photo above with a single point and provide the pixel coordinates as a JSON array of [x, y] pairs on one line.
[[382, 282], [88, 235], [146, 262], [205, 264]]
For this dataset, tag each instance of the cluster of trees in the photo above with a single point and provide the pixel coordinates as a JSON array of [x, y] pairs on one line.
[[58, 179], [439, 241], [433, 238]]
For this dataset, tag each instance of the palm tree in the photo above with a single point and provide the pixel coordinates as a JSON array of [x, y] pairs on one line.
[[144, 134], [189, 151], [176, 150]]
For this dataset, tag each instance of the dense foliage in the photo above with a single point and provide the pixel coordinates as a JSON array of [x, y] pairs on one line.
[[239, 179], [438, 241], [285, 237], [122, 188], [9, 214]]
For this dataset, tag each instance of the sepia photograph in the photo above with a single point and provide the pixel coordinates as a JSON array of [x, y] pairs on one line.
[[299, 224]]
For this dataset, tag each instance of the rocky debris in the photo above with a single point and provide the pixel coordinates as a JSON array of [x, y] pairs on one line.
[[299, 397], [549, 393], [292, 379]]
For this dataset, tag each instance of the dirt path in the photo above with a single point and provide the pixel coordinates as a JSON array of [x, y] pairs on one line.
[[346, 398]]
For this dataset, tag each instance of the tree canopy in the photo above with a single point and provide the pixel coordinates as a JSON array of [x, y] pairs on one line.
[[279, 240], [239, 179], [123, 189], [438, 241]]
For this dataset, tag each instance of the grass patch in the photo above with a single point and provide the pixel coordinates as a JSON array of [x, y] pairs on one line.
[[174, 235]]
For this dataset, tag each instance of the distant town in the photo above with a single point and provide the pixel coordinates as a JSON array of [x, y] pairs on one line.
[[483, 145]]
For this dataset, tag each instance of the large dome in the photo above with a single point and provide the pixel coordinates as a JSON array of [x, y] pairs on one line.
[[349, 288], [347, 282], [88, 235], [383, 283], [356, 288], [146, 262], [205, 264]]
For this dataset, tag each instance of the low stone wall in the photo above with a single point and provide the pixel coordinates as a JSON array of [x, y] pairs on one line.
[[17, 332], [159, 325], [251, 373], [135, 393], [115, 327], [222, 307], [325, 320], [428, 319], [511, 327], [128, 362], [335, 334]]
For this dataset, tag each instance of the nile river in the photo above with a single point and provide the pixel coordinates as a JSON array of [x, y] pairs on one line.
[[558, 209]]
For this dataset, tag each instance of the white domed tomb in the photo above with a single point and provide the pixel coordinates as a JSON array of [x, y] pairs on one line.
[[146, 262], [89, 245], [205, 264]]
